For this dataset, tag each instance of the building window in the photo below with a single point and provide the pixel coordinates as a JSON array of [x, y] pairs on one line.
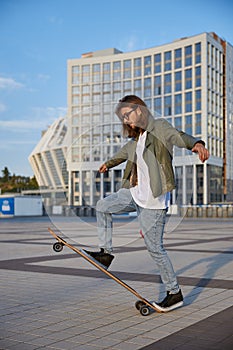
[[76, 90], [96, 68], [188, 56], [117, 96], [137, 87], [198, 100], [96, 73], [75, 114], [189, 183], [188, 102], [117, 70], [178, 81], [158, 106], [85, 89], [188, 124], [96, 98], [147, 65], [167, 105], [75, 79], [127, 69], [117, 86], [75, 100], [157, 63], [179, 184], [106, 97], [198, 53], [178, 104], [75, 69], [86, 73], [200, 182], [178, 58], [86, 69], [188, 79], [215, 183], [198, 124], [137, 67], [84, 139], [106, 67], [167, 61], [127, 87], [178, 123], [85, 99], [148, 102], [106, 72], [157, 85], [198, 76], [147, 87], [75, 154], [167, 83], [75, 75], [96, 89], [106, 87]]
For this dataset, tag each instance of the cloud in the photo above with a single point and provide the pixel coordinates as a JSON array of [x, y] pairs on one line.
[[40, 118], [43, 77], [3, 107], [55, 20], [128, 43], [9, 83], [21, 125], [49, 113], [131, 43], [11, 144]]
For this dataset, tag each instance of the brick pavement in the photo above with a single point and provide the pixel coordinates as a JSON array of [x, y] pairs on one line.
[[59, 301]]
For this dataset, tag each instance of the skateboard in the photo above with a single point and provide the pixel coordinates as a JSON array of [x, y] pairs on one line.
[[143, 305]]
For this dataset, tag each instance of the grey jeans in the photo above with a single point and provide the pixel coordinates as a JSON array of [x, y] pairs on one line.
[[151, 221]]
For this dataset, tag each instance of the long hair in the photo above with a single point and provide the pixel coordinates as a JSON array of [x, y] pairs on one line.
[[131, 101]]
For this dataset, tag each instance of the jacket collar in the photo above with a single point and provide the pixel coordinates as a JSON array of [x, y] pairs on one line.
[[149, 129], [150, 125]]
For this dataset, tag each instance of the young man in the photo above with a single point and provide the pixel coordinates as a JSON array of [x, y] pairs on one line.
[[147, 182]]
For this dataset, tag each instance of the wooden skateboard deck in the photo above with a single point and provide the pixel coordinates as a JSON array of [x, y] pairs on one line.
[[143, 305]]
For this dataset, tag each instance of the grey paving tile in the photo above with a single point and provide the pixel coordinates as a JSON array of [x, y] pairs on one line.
[[59, 299]]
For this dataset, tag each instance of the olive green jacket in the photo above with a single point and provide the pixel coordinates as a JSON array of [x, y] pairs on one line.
[[158, 154]]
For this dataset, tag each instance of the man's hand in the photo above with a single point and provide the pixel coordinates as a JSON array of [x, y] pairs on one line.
[[103, 168], [202, 151]]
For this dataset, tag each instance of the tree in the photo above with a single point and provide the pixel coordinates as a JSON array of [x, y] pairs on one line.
[[16, 183], [6, 175], [33, 184]]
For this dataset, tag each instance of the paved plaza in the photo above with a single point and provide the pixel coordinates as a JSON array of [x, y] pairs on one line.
[[58, 301]]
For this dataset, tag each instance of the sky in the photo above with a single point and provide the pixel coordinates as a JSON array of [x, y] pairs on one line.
[[37, 37]]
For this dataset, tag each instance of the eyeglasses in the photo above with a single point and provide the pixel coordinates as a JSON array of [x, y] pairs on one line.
[[127, 114]]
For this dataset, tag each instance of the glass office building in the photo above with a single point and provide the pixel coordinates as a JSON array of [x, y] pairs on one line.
[[188, 81]]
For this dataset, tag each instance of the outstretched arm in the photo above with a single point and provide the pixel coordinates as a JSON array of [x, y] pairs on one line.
[[120, 157], [203, 153]]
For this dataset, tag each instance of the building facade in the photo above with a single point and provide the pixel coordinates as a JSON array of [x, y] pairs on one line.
[[48, 161], [188, 81]]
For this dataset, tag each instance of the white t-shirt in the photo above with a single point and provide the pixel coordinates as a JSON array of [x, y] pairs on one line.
[[142, 193]]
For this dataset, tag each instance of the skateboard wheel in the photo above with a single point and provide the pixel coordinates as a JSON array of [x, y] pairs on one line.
[[139, 304], [144, 310], [57, 247]]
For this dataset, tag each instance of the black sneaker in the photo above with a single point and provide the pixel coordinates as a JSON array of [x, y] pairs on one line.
[[171, 301], [101, 258]]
